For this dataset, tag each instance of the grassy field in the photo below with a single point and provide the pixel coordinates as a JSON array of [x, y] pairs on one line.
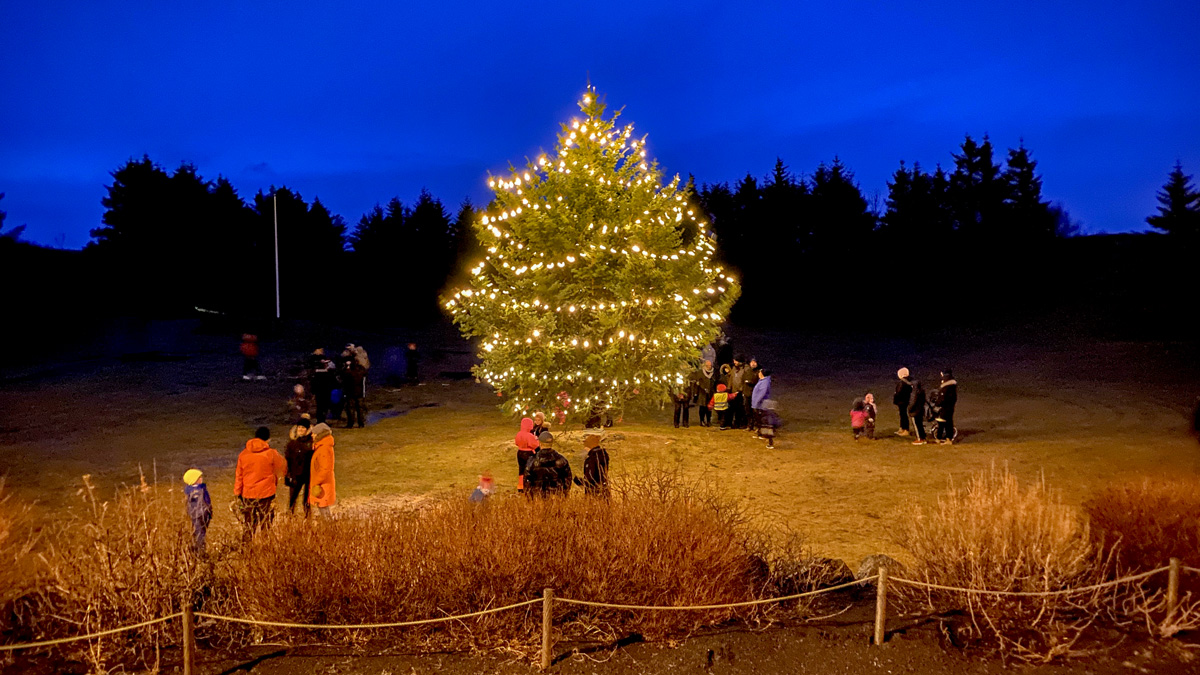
[[1081, 412]]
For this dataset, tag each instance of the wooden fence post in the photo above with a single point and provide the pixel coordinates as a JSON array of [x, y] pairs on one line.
[[881, 606], [189, 641], [1172, 588], [547, 624]]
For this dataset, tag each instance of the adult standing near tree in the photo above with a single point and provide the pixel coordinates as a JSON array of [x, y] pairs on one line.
[[758, 397], [704, 383], [682, 395], [259, 468], [548, 472], [354, 388], [946, 433], [737, 381], [749, 382], [324, 381], [323, 490], [901, 399]]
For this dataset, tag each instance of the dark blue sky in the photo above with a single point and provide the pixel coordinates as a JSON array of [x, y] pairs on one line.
[[358, 102]]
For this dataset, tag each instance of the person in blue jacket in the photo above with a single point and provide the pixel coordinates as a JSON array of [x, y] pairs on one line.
[[199, 507], [761, 392]]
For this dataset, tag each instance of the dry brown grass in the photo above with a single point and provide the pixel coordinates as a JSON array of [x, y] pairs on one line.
[[996, 534], [657, 541]]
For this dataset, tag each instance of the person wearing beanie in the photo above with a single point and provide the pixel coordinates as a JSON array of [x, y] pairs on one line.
[[259, 468], [704, 383], [548, 472], [947, 401], [736, 415], [539, 424], [720, 405], [199, 507], [595, 468], [299, 454], [901, 399], [323, 490], [750, 380]]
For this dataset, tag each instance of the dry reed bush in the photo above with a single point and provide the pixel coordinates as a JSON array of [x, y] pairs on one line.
[[18, 540], [995, 534], [1153, 521], [654, 542], [108, 564]]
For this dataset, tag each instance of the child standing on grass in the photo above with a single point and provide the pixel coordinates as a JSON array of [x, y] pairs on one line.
[[858, 417], [769, 421], [199, 507], [720, 405]]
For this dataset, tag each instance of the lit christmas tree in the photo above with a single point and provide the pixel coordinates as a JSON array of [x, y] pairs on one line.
[[599, 285]]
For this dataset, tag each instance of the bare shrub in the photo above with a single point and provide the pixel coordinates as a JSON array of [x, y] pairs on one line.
[[1154, 521], [995, 534]]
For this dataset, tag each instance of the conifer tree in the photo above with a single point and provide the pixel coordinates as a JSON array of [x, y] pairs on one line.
[[1030, 217], [587, 296], [1179, 213]]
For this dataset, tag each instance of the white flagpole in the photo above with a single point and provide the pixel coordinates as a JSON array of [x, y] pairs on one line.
[[275, 204]]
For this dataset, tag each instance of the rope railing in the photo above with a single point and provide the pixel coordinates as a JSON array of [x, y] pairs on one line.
[[881, 579], [1032, 594], [363, 626], [89, 636]]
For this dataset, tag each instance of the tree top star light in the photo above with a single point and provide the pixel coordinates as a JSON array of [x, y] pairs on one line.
[[599, 286]]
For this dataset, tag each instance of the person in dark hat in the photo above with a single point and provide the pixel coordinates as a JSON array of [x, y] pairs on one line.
[[901, 399], [299, 454], [595, 468], [547, 472]]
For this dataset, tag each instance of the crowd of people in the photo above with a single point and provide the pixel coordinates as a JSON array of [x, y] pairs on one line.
[[737, 393], [543, 471], [916, 406]]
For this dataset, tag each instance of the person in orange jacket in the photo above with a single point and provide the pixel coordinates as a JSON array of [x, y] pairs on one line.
[[259, 468], [323, 487]]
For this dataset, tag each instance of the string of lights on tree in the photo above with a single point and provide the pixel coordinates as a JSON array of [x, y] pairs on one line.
[[599, 285]]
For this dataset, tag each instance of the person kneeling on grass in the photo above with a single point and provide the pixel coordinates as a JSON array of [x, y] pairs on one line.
[[323, 491], [548, 472], [595, 468], [199, 507], [259, 469]]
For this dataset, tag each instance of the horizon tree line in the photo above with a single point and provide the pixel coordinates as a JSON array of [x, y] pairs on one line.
[[176, 242]]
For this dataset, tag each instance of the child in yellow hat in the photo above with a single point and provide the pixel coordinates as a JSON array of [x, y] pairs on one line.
[[199, 506]]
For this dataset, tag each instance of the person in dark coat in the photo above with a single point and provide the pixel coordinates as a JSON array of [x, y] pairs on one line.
[[547, 472], [946, 433], [682, 395], [298, 455], [901, 398], [916, 411], [595, 468], [704, 384], [749, 381], [354, 388], [737, 381], [324, 381], [411, 359], [539, 424]]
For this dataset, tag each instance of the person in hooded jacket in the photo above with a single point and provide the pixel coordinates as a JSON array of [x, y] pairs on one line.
[[539, 424], [750, 380], [259, 468], [916, 411], [759, 395], [323, 490], [737, 381], [946, 433], [548, 472], [199, 507], [298, 454], [901, 398], [704, 383], [527, 445]]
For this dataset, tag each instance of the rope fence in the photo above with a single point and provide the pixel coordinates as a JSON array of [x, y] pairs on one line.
[[880, 579]]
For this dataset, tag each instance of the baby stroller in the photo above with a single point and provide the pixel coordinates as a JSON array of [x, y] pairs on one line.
[[933, 410]]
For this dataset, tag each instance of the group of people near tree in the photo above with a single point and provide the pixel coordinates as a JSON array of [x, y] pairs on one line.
[[543, 471], [306, 468], [738, 392]]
